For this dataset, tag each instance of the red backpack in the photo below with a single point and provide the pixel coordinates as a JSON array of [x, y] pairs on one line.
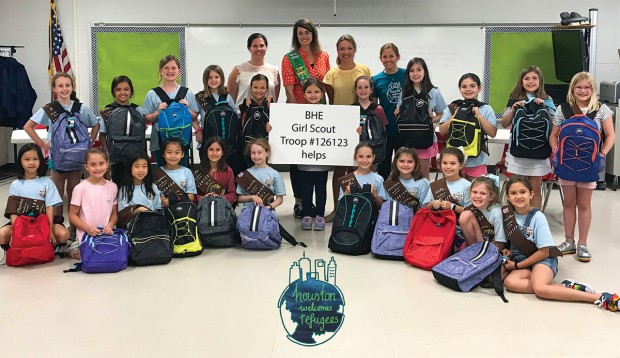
[[430, 238], [31, 241]]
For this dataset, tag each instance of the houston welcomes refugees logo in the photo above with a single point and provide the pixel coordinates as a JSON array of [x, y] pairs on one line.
[[312, 306]]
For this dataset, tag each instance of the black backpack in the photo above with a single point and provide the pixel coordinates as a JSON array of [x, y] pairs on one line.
[[415, 126], [125, 130], [221, 120], [465, 129], [354, 223], [531, 127], [373, 132], [149, 236], [217, 222], [256, 118]]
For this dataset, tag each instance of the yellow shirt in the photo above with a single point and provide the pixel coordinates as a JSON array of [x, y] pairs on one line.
[[343, 82]]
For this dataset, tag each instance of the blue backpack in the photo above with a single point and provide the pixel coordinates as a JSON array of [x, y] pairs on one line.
[[531, 127], [577, 158], [466, 269], [175, 121], [105, 253], [259, 228], [391, 231], [70, 138]]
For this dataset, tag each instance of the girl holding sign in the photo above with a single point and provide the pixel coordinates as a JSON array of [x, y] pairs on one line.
[[314, 177]]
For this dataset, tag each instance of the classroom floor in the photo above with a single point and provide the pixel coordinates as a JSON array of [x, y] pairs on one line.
[[224, 304]]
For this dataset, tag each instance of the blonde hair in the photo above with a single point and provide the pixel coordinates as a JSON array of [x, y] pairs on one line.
[[594, 104]]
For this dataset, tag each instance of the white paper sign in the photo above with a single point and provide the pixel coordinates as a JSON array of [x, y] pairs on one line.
[[313, 134]]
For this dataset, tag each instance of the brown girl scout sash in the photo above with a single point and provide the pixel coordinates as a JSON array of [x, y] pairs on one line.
[[19, 205], [397, 190], [167, 186], [349, 180], [488, 230], [125, 215], [206, 184], [516, 237], [440, 191], [254, 187]]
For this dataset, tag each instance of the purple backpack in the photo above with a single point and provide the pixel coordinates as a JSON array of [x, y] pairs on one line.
[[391, 230], [70, 139], [105, 253], [259, 228], [468, 268]]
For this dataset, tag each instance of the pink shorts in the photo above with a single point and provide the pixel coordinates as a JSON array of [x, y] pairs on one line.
[[580, 185], [429, 152], [475, 172]]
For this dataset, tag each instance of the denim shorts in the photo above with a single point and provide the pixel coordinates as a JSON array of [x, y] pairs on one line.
[[550, 262]]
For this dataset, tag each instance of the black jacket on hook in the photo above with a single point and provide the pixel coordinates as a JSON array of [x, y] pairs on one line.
[[17, 97]]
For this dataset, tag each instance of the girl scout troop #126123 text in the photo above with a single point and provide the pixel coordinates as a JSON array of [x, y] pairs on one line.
[[155, 207]]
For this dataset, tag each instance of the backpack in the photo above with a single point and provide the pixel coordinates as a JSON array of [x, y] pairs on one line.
[[175, 121], [181, 217], [149, 236], [216, 222], [256, 119], [373, 132], [465, 129], [259, 228], [578, 149], [125, 131], [430, 238], [391, 231], [415, 127], [70, 139], [222, 121], [353, 224], [30, 243], [531, 127], [105, 253], [466, 269]]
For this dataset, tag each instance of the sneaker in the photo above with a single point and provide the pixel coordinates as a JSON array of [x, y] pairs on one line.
[[608, 301], [567, 248], [329, 218], [579, 286], [583, 254], [319, 223], [297, 210], [306, 223]]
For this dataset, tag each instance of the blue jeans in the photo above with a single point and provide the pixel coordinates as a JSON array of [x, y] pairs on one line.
[[551, 262]]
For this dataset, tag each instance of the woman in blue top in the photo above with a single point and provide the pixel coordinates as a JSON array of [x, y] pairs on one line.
[[388, 87], [169, 69], [530, 86]]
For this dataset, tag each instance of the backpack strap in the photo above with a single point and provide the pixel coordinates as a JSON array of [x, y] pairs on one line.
[[253, 186], [207, 184], [516, 236], [167, 186], [349, 180], [289, 238], [163, 96], [181, 93], [397, 190], [440, 191], [488, 230], [19, 205], [76, 107], [299, 67]]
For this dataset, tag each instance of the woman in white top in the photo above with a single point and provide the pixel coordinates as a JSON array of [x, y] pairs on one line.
[[240, 76]]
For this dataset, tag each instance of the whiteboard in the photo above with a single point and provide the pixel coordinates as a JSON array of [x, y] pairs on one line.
[[449, 51]]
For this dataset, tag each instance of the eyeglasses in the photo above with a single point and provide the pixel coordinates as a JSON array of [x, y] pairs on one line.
[[580, 88]]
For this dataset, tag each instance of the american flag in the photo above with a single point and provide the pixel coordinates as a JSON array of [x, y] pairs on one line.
[[59, 59]]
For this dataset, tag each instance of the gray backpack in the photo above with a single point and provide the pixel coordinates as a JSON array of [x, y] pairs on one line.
[[216, 222], [125, 131]]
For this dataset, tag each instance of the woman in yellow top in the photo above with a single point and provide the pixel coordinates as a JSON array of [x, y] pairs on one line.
[[340, 84]]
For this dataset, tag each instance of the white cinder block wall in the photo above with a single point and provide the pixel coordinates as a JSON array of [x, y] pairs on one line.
[[25, 22]]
